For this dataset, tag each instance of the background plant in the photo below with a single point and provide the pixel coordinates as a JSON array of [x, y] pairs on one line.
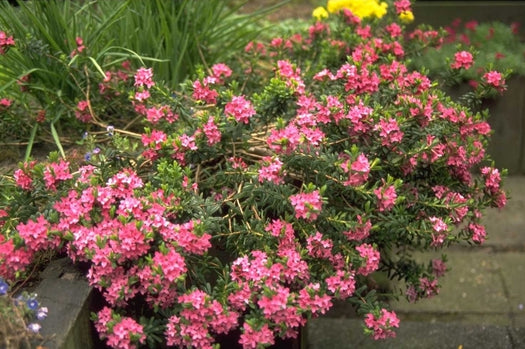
[[492, 44]]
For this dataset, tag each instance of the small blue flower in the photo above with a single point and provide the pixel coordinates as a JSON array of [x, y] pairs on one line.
[[110, 130], [32, 304], [41, 313], [34, 327], [87, 157], [4, 287]]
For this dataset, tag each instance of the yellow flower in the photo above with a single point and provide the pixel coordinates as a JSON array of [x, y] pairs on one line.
[[406, 16], [334, 6], [320, 13], [360, 8], [380, 10]]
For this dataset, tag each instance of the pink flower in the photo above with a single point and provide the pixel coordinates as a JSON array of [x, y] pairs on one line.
[[154, 140], [5, 42], [371, 257], [211, 131], [55, 172], [80, 46], [285, 140], [271, 170], [478, 232], [126, 334], [154, 114], [471, 25], [386, 197], [275, 303], [361, 231], [239, 108], [394, 30], [188, 142], [492, 179], [358, 172], [171, 264], [312, 299], [438, 225], [221, 70], [428, 287], [402, 6], [307, 205], [253, 338], [494, 79], [143, 77], [382, 324], [104, 317], [13, 259], [5, 102], [142, 95], [318, 247], [237, 163], [202, 92], [438, 267], [389, 132], [82, 112], [35, 234], [462, 59], [187, 236], [22, 179], [342, 284]]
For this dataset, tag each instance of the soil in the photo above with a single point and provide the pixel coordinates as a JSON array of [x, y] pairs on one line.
[[291, 9]]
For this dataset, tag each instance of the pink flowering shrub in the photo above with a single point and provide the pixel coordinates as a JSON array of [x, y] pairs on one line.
[[264, 191]]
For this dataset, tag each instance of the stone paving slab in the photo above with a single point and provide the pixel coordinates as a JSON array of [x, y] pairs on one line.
[[506, 227], [474, 285], [329, 333], [513, 274]]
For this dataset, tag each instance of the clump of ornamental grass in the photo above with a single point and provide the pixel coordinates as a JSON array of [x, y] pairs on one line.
[[265, 190], [55, 55]]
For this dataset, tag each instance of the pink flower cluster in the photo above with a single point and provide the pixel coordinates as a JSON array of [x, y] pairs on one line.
[[307, 205], [358, 170], [495, 79], [271, 170], [200, 315], [80, 47], [240, 109], [371, 257], [382, 324], [202, 89], [5, 42], [121, 333], [462, 59]]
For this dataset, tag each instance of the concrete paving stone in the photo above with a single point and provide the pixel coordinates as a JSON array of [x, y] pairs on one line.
[[513, 274], [463, 318], [326, 333], [473, 285], [518, 320], [518, 337], [506, 227]]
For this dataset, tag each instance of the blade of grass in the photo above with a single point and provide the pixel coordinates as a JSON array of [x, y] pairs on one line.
[[56, 138], [30, 143]]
